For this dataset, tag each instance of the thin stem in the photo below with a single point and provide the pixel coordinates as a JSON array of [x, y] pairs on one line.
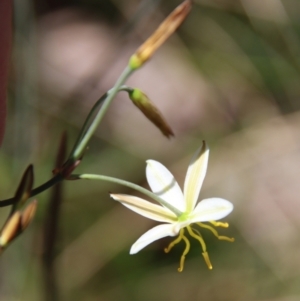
[[86, 122], [130, 185], [126, 89], [56, 179], [111, 94]]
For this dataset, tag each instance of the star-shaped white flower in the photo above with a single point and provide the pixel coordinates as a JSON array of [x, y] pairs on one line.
[[178, 210]]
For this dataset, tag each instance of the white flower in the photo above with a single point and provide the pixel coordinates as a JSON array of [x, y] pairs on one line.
[[178, 210]]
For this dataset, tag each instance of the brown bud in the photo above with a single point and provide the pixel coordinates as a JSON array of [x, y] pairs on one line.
[[24, 190], [163, 32], [11, 229], [28, 214], [150, 111]]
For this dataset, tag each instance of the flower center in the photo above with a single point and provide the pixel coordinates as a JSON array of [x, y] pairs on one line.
[[196, 234], [183, 217]]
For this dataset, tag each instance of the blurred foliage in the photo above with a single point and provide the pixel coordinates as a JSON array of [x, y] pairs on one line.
[[230, 76]]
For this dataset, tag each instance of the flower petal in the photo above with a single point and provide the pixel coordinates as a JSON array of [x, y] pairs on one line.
[[145, 208], [195, 176], [153, 235], [211, 209], [163, 183]]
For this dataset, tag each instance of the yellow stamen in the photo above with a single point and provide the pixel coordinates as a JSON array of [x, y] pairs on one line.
[[219, 224], [198, 232], [214, 231], [174, 242], [198, 237], [186, 250], [207, 260]]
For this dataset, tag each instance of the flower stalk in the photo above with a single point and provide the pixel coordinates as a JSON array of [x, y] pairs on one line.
[[130, 185]]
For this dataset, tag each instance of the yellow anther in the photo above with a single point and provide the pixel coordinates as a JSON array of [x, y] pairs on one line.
[[198, 237], [186, 250], [219, 224], [230, 239], [207, 260], [181, 264], [214, 231]]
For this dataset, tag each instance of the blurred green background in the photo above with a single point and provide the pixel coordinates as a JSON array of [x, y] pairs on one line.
[[230, 75]]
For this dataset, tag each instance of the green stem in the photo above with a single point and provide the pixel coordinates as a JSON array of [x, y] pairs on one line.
[[87, 121], [111, 94], [130, 185]]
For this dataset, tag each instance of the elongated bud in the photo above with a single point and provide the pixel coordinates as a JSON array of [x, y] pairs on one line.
[[24, 190], [163, 32], [28, 214], [11, 229], [141, 100]]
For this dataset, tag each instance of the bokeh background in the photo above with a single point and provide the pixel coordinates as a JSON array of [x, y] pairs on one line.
[[230, 75]]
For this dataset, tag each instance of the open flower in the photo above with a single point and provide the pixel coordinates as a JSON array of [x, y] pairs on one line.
[[179, 211]]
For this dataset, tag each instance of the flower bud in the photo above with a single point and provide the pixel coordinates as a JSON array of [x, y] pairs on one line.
[[28, 214], [11, 229], [141, 100], [163, 32], [24, 190]]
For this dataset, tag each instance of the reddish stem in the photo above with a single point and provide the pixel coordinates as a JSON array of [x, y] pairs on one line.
[[5, 47]]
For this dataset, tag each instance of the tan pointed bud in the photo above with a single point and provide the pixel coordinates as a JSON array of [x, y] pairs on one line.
[[163, 32], [28, 214], [150, 111], [11, 229]]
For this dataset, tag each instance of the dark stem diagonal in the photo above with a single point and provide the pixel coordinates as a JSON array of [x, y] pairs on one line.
[[56, 179]]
